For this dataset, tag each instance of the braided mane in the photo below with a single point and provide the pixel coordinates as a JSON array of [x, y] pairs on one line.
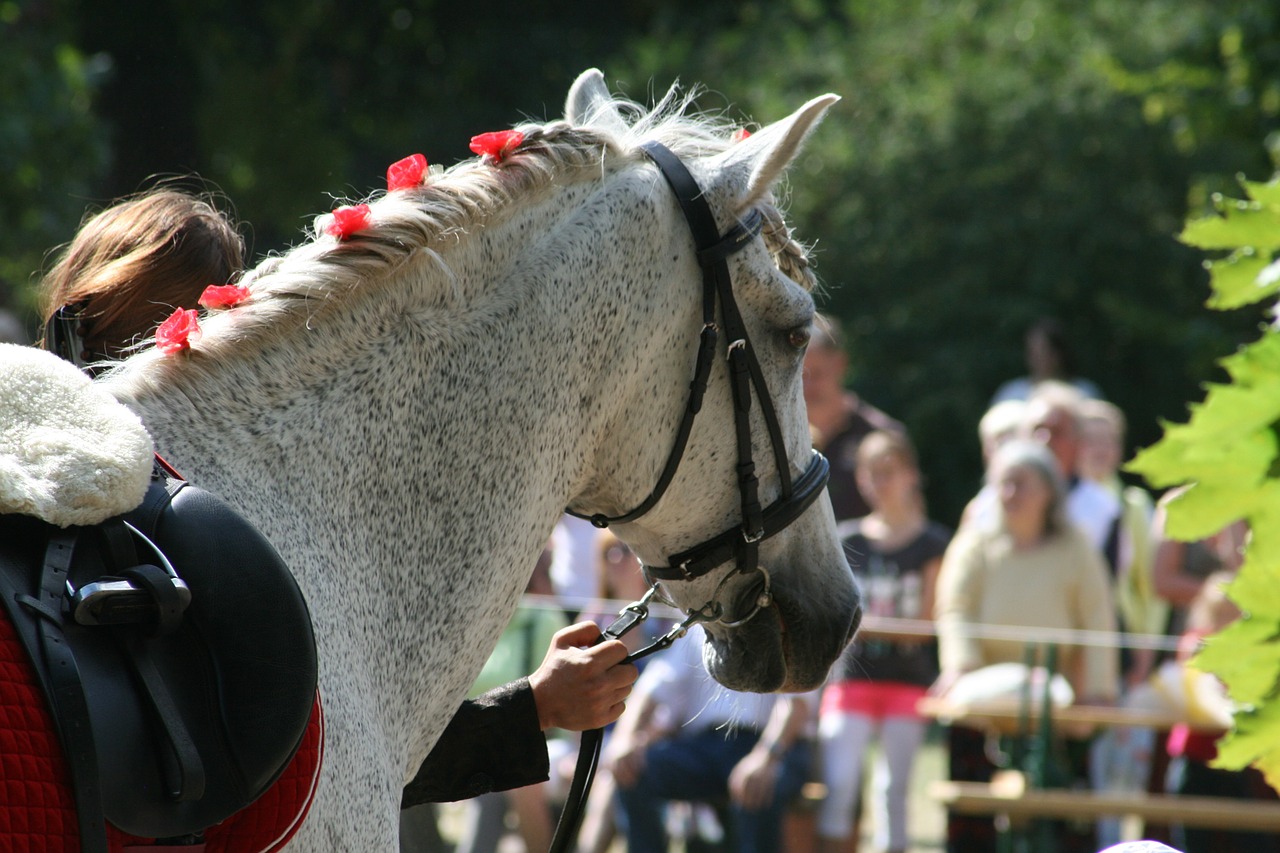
[[288, 289]]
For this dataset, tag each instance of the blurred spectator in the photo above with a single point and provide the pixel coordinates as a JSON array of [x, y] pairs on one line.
[[1102, 430], [1025, 565], [1052, 417], [839, 418], [621, 582], [895, 552], [1030, 567], [1049, 357], [1000, 423], [575, 569], [688, 739]]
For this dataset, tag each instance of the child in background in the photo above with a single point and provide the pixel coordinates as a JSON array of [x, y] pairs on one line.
[[895, 553]]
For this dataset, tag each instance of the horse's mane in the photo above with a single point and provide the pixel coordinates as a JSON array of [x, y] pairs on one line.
[[288, 289]]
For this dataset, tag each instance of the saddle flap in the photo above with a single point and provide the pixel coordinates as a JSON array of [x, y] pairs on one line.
[[192, 724]]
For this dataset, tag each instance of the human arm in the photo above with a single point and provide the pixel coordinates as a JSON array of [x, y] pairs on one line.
[[754, 778], [1167, 577], [493, 743], [625, 753]]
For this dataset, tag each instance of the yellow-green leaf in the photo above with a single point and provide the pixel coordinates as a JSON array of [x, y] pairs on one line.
[[1267, 194], [1254, 739], [1193, 453], [1229, 411], [1263, 551], [1202, 510], [1255, 364], [1256, 589], [1238, 280], [1241, 224], [1227, 451], [1246, 656]]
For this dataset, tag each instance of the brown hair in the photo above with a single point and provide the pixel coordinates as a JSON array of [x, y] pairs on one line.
[[891, 442], [898, 445], [131, 265]]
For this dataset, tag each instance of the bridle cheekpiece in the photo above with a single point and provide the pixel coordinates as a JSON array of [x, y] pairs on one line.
[[741, 542]]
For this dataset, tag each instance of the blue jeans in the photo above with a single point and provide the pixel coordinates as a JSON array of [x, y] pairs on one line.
[[695, 768]]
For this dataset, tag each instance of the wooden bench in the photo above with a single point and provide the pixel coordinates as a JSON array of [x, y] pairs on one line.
[[1207, 812]]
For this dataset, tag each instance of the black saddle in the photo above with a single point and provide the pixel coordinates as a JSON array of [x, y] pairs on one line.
[[176, 653]]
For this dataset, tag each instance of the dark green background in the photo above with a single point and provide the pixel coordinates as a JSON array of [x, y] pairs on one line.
[[990, 162]]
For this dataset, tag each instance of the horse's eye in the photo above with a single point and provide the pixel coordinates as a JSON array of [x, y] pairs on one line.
[[798, 337]]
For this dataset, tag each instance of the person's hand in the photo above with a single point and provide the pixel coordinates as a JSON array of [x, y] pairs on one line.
[[753, 779], [580, 686]]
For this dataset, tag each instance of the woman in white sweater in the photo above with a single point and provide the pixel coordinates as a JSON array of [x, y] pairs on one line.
[[1023, 567]]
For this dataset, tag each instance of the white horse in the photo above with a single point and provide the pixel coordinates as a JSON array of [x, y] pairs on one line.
[[405, 413]]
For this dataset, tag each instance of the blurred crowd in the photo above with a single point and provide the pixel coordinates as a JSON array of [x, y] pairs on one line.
[[1058, 571]]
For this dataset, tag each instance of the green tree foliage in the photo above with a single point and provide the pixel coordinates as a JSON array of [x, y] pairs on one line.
[[287, 105], [987, 168], [52, 150], [991, 162], [1226, 455]]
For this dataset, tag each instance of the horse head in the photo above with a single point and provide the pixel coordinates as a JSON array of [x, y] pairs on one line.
[[740, 530]]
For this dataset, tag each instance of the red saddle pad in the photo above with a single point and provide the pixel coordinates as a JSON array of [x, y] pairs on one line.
[[37, 809]]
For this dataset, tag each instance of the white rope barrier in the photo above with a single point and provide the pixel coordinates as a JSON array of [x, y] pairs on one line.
[[887, 627]]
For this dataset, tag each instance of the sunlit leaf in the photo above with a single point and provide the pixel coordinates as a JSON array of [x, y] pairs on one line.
[[1267, 194], [1254, 739], [1255, 364], [1241, 224], [1264, 537], [1256, 588], [1246, 656], [1195, 453], [1238, 280], [1203, 510], [1227, 452], [1230, 410]]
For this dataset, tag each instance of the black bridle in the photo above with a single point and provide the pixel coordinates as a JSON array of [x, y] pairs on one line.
[[742, 541]]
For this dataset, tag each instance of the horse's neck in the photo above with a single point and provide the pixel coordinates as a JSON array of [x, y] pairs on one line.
[[408, 463]]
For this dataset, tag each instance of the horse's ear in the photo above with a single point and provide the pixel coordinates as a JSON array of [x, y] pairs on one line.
[[766, 154], [590, 104]]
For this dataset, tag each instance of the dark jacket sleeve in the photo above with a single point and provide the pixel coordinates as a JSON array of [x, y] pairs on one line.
[[493, 743]]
